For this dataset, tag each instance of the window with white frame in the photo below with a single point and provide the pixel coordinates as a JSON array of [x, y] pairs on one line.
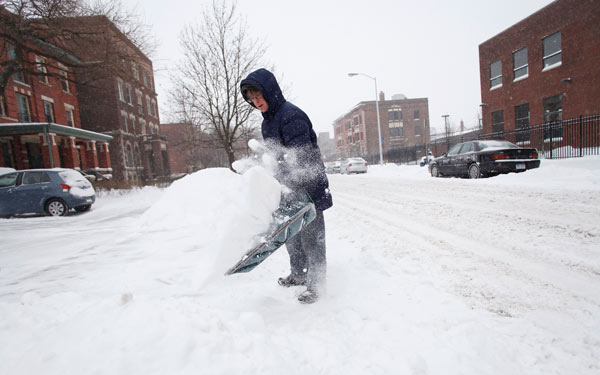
[[416, 114], [149, 106], [155, 107], [142, 126], [128, 156], [124, 118], [132, 123], [395, 123], [42, 70], [520, 64], [128, 94], [49, 111], [495, 74], [64, 78], [140, 102], [24, 109], [70, 117], [552, 50], [121, 88]]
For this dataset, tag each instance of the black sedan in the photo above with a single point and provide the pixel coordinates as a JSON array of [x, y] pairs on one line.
[[484, 158]]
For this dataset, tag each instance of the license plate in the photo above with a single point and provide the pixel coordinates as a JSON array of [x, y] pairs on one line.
[[520, 166]]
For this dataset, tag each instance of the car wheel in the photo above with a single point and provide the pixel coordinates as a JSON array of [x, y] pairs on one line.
[[434, 171], [56, 207], [83, 208], [474, 171]]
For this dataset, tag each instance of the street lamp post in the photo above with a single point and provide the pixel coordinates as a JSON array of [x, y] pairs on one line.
[[377, 108]]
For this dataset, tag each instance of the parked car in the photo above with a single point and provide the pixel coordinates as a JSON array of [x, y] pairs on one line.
[[51, 191], [484, 158], [99, 176], [332, 167], [353, 165], [89, 177]]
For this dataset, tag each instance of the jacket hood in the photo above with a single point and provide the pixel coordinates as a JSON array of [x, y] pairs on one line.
[[266, 83]]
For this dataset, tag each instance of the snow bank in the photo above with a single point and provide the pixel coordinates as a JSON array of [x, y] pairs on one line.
[[222, 209]]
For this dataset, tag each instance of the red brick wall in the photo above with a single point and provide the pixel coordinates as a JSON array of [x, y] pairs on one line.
[[579, 23]]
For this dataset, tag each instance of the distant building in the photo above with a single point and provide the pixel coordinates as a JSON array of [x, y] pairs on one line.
[[404, 123], [327, 146], [40, 116], [544, 68]]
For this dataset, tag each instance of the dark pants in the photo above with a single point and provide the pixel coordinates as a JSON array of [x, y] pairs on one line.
[[308, 259]]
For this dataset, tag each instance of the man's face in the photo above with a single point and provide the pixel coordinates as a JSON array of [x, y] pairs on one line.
[[258, 100]]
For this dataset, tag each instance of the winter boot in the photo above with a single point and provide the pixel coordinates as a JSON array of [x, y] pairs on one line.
[[290, 281], [308, 296]]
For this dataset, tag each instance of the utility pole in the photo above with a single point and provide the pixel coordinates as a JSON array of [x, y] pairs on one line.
[[447, 131]]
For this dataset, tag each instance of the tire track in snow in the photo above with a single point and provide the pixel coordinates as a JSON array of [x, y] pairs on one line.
[[465, 262]]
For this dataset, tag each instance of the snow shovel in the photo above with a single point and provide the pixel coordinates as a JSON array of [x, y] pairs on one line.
[[295, 211]]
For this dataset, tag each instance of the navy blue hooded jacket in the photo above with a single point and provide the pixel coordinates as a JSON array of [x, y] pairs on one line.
[[288, 133]]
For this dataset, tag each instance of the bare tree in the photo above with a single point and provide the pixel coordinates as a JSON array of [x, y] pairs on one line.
[[57, 29], [218, 54]]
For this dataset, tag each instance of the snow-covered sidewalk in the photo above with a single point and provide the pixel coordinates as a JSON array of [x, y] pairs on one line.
[[426, 276]]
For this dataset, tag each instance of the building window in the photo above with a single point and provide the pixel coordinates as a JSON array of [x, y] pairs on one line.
[[128, 156], [553, 116], [520, 64], [64, 78], [150, 108], [522, 122], [416, 115], [498, 121], [121, 91], [70, 117], [49, 111], [124, 118], [155, 108], [395, 122], [552, 50], [495, 74], [418, 130], [2, 106], [355, 120], [12, 55], [128, 95], [132, 123], [395, 115], [40, 64], [134, 69], [140, 102], [24, 111]]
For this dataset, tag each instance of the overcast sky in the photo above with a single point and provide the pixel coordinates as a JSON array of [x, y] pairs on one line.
[[419, 48]]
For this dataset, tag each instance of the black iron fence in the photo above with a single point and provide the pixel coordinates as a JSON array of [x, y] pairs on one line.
[[575, 137]]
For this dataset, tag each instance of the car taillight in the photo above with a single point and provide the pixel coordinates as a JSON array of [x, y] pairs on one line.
[[366, 163], [534, 155], [349, 165], [499, 156], [65, 187]]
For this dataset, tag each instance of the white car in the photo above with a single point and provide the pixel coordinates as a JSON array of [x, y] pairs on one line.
[[354, 165]]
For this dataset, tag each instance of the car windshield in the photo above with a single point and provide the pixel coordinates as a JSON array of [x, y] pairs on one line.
[[495, 144]]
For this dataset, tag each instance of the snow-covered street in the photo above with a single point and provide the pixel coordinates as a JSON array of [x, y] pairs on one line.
[[425, 276]]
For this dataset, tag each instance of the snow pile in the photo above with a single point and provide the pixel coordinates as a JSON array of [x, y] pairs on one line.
[[221, 208]]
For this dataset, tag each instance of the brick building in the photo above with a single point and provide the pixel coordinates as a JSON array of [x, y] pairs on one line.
[[543, 69], [40, 125], [121, 102], [404, 123]]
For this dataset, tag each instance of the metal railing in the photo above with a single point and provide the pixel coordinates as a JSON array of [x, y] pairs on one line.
[[575, 137]]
